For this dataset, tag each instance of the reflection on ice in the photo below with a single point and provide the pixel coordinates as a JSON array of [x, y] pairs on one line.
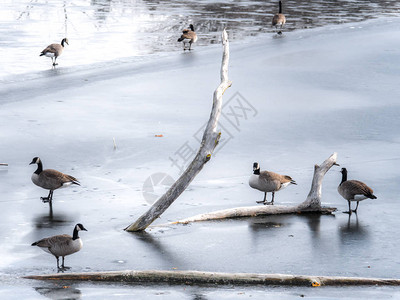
[[163, 253], [51, 220], [353, 230], [60, 293]]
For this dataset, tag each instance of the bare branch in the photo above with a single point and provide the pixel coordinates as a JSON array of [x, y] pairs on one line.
[[208, 144]]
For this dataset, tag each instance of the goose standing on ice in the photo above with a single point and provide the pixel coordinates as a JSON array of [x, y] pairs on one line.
[[266, 181], [50, 179], [188, 36], [279, 19], [54, 50], [62, 245], [354, 190]]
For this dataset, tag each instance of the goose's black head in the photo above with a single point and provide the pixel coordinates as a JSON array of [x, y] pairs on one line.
[[191, 27], [343, 171], [79, 227], [256, 168], [64, 40], [35, 160]]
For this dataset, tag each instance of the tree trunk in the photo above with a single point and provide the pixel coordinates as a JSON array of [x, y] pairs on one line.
[[208, 144], [311, 205]]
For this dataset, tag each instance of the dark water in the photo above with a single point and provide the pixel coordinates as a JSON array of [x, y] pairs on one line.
[[104, 30], [249, 18]]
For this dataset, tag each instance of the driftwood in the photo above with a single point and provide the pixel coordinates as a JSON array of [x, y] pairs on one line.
[[3, 164], [208, 144], [197, 277], [311, 205]]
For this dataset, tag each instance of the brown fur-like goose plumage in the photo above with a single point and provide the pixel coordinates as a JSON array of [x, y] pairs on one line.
[[62, 245], [54, 50], [267, 181], [50, 179], [354, 190], [188, 36], [279, 19]]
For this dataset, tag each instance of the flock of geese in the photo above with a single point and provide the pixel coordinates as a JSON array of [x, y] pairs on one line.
[[188, 36], [53, 51], [270, 182], [265, 181]]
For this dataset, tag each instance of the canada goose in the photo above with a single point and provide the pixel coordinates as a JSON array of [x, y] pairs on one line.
[[354, 190], [279, 19], [54, 50], [188, 36], [50, 179], [266, 181], [62, 245]]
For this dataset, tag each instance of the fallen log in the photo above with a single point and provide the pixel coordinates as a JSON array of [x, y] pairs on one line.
[[3, 164], [198, 277], [312, 204], [251, 211]]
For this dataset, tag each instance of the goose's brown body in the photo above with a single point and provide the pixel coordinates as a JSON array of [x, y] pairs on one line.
[[188, 36], [54, 50], [62, 245], [279, 19], [267, 181], [354, 190], [50, 179]]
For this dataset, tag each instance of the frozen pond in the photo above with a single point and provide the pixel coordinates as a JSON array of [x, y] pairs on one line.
[[308, 94]]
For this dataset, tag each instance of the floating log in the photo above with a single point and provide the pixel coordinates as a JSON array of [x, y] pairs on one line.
[[198, 277]]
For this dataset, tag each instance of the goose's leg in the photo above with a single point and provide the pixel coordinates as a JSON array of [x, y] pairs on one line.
[[58, 264], [63, 266], [46, 199], [358, 202], [348, 212], [273, 197], [280, 31], [265, 199]]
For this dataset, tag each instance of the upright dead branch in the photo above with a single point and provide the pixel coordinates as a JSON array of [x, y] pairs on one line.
[[208, 144], [313, 201], [311, 204]]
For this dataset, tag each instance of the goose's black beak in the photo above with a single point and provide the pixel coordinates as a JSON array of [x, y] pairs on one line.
[[336, 164]]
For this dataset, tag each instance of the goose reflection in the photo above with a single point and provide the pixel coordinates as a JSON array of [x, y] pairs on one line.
[[352, 229], [51, 220], [60, 293]]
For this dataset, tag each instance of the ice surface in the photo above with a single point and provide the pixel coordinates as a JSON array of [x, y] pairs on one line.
[[312, 92]]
